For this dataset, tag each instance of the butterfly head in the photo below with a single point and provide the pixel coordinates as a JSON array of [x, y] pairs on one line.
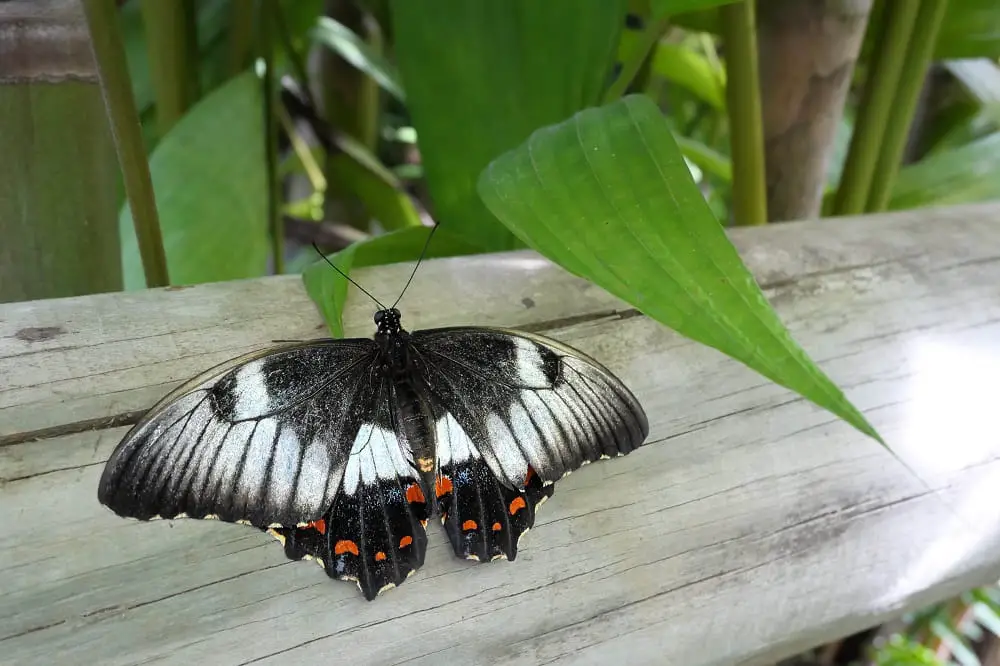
[[387, 321]]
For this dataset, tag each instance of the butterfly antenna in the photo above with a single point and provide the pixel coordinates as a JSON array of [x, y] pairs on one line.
[[347, 277], [419, 259]]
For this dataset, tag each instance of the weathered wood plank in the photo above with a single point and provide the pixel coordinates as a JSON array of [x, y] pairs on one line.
[[752, 519]]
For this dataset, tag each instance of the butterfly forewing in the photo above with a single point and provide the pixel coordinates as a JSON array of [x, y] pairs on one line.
[[263, 439]]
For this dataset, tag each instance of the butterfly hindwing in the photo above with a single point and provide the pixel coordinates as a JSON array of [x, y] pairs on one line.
[[373, 532], [514, 413], [484, 519]]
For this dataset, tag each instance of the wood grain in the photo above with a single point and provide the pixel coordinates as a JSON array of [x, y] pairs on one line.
[[752, 525]]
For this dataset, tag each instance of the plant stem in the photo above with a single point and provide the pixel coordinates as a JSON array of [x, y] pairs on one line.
[[172, 45], [911, 79], [643, 45], [893, 34], [268, 12], [109, 53], [739, 31], [241, 27]]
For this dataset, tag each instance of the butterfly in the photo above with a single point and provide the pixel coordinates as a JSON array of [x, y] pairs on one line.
[[343, 449]]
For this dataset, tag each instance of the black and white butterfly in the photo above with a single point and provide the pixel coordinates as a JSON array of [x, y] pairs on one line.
[[344, 448]]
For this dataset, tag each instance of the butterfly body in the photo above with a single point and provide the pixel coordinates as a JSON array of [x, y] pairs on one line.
[[344, 449]]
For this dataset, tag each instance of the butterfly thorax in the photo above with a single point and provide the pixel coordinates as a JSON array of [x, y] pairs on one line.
[[393, 344], [397, 364]]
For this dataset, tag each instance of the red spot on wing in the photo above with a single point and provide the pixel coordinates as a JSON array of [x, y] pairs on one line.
[[318, 525], [414, 494], [469, 525], [379, 556], [345, 546], [497, 527], [517, 505], [405, 541], [531, 473], [443, 486]]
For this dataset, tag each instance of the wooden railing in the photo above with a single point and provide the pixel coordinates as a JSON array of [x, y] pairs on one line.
[[751, 526]]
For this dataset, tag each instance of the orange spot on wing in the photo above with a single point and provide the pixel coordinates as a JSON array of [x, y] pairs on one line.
[[345, 546], [318, 525], [443, 486], [405, 541], [496, 527], [517, 505], [469, 525], [414, 494], [531, 473], [379, 556]]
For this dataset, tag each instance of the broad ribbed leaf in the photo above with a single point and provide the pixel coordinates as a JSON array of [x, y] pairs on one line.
[[211, 191], [607, 195], [481, 75]]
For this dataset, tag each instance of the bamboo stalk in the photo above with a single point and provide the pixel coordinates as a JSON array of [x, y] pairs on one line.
[[109, 52], [893, 34], [240, 36], [58, 175], [266, 42], [739, 30], [910, 82], [172, 45]]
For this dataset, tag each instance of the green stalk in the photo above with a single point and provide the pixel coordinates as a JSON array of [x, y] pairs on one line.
[[894, 33], [109, 52], [640, 51], [739, 32], [268, 12], [172, 45], [911, 79], [240, 36]]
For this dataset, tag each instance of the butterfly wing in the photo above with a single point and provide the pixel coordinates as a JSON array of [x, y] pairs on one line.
[[374, 532], [513, 413], [299, 440]]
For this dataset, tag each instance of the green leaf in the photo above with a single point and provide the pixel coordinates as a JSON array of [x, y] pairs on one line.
[[987, 609], [343, 41], [480, 76], [971, 29], [691, 70], [965, 174], [607, 195], [706, 158], [328, 289], [950, 637], [211, 191], [384, 198]]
